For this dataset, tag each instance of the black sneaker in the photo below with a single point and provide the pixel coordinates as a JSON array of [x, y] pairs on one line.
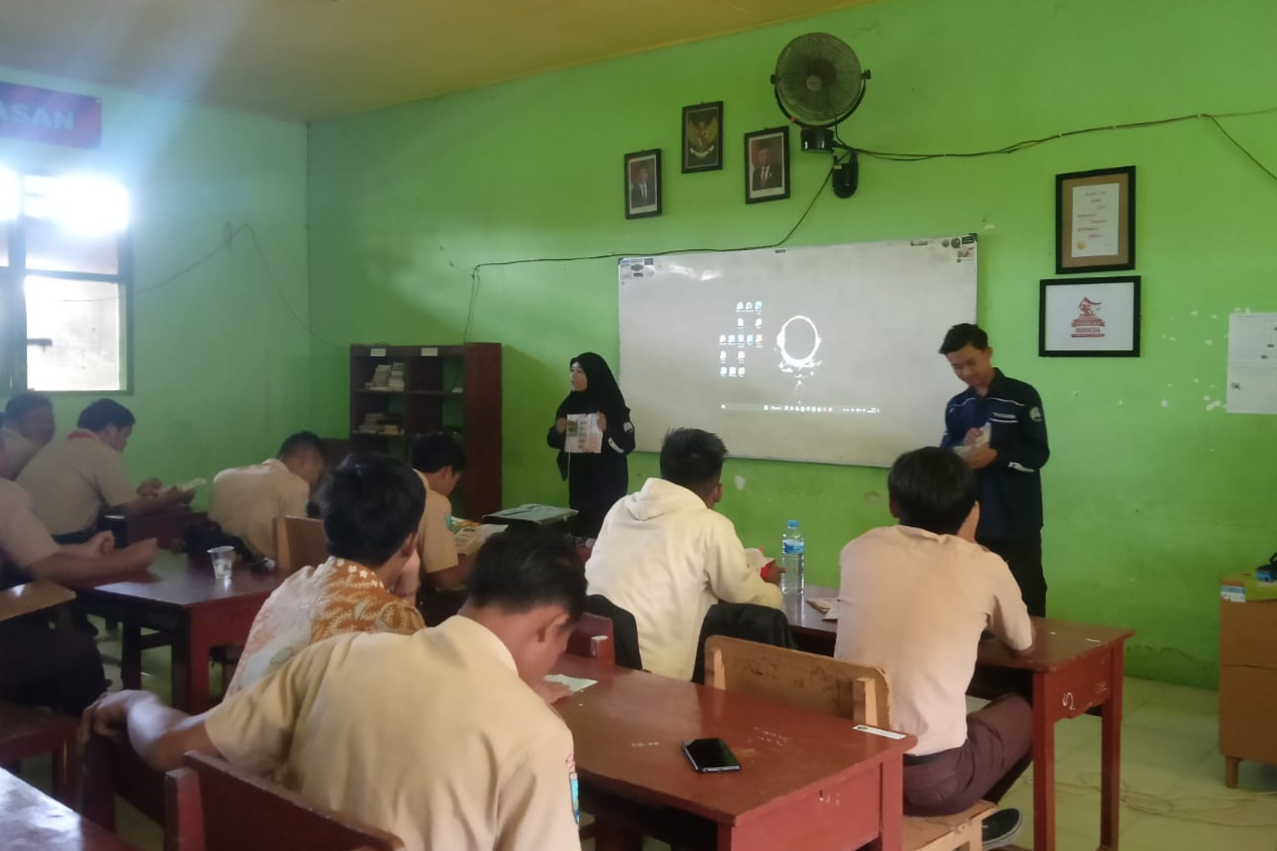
[[1000, 828]]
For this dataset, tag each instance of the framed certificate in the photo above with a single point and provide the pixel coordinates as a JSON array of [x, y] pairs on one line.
[[1090, 317], [1095, 220]]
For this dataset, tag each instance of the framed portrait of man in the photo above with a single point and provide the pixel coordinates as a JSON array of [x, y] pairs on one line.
[[767, 165], [703, 137], [642, 184]]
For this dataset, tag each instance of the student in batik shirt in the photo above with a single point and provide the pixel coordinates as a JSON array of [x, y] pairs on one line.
[[371, 506]]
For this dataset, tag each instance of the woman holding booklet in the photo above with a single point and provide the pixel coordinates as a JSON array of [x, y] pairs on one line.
[[593, 433]]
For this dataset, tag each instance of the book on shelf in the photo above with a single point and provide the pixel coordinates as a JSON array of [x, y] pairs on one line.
[[388, 378], [381, 423]]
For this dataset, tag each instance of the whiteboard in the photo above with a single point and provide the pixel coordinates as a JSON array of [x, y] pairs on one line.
[[824, 354]]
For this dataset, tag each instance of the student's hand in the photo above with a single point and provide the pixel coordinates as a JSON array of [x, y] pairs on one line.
[[141, 554], [552, 692], [602, 421], [109, 715], [561, 425], [974, 436], [149, 488], [101, 543], [178, 497], [981, 457], [771, 573]]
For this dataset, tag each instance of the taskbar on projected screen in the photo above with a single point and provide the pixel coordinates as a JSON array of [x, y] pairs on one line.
[[755, 407]]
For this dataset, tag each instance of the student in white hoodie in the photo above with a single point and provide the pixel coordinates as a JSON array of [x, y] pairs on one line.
[[666, 556]]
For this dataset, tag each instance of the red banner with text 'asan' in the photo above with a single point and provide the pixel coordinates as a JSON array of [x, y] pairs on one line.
[[45, 115]]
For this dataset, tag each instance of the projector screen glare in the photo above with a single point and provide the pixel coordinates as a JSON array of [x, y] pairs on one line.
[[825, 354]]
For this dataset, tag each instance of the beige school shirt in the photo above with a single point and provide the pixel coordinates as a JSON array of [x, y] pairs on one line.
[[435, 543], [18, 450], [23, 539], [74, 480], [246, 501], [432, 737], [914, 604], [666, 558]]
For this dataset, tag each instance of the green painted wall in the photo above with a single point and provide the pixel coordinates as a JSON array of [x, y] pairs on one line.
[[220, 368], [1150, 495]]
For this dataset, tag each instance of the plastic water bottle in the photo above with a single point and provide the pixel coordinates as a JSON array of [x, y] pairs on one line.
[[792, 580]]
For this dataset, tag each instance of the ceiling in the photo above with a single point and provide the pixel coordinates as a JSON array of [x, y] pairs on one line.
[[315, 59]]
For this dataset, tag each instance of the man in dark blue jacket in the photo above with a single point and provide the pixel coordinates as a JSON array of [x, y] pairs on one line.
[[998, 427]]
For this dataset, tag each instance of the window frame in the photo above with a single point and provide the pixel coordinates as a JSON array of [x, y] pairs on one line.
[[13, 304]]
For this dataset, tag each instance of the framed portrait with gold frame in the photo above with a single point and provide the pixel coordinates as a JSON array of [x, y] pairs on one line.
[[1095, 220]]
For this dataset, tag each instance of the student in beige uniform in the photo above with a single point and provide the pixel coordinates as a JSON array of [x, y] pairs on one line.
[[915, 599], [665, 556], [73, 481], [370, 505], [439, 460], [28, 427], [38, 666], [246, 501], [437, 737]]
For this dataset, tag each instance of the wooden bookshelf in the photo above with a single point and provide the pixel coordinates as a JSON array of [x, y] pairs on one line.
[[445, 387]]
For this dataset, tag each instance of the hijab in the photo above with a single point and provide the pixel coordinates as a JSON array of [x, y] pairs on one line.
[[601, 392]]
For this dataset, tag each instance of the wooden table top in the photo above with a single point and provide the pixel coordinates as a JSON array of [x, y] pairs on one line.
[[32, 821], [176, 582], [1058, 641], [32, 597], [628, 730]]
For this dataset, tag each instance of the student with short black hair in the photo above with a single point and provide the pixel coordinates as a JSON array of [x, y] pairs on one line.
[[665, 556], [370, 506], [246, 501], [914, 601], [439, 460], [28, 427], [60, 669], [998, 428], [440, 738], [73, 481]]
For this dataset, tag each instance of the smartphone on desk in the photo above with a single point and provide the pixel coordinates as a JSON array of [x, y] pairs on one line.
[[710, 755]]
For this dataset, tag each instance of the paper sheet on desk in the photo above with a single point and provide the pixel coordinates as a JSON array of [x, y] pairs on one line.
[[470, 538], [574, 683], [827, 606]]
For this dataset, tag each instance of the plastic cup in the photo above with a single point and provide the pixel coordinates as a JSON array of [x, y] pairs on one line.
[[223, 559]]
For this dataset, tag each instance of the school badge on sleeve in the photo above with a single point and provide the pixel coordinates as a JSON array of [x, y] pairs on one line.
[[575, 786]]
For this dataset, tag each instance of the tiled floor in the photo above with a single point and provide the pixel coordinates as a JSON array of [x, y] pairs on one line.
[[1173, 793]]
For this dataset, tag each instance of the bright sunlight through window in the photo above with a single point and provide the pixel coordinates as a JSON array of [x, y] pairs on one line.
[[60, 260]]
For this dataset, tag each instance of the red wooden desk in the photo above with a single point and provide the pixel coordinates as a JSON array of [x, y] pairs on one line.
[[1075, 668], [807, 781], [32, 821], [186, 600]]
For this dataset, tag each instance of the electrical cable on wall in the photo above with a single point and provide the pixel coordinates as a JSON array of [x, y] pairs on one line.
[[228, 244], [229, 235], [1015, 147]]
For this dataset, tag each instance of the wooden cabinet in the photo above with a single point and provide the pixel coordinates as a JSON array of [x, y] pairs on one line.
[[433, 388], [1247, 679]]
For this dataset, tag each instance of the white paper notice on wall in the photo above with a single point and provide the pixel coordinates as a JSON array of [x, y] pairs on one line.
[[1252, 363]]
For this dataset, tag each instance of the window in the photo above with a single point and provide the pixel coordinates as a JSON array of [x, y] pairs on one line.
[[63, 283]]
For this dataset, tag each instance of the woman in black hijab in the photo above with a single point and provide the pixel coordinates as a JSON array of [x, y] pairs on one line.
[[595, 481]]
